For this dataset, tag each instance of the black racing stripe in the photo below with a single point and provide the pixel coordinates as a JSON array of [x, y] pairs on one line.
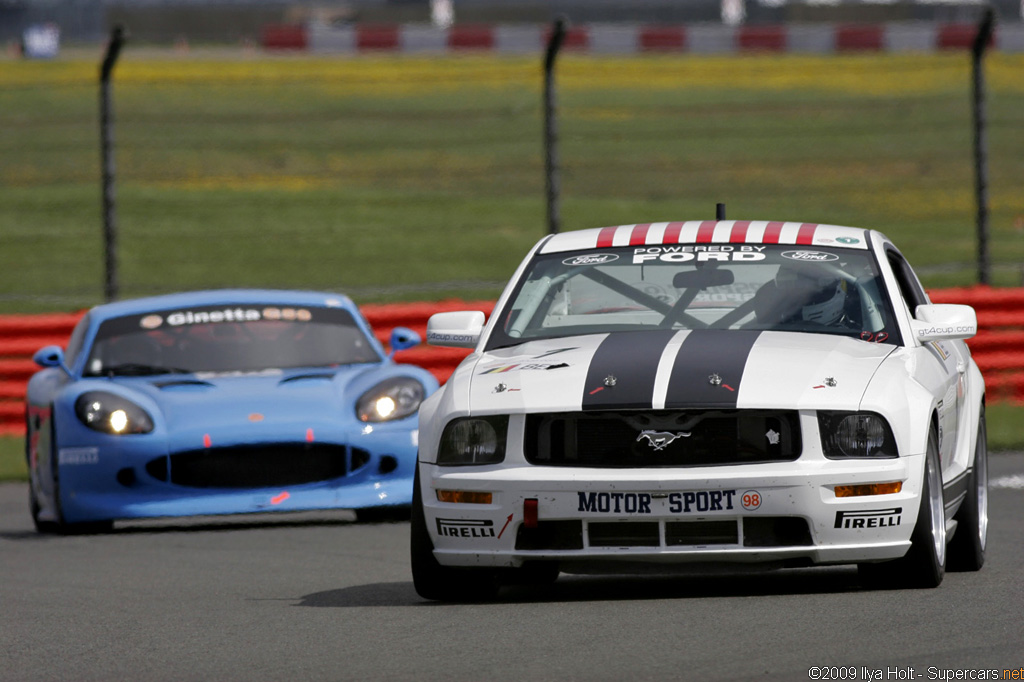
[[622, 371], [705, 355]]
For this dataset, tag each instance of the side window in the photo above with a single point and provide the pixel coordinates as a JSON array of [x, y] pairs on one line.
[[910, 287], [75, 342]]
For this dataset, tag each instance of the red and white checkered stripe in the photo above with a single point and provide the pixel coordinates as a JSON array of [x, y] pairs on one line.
[[635, 38], [709, 232]]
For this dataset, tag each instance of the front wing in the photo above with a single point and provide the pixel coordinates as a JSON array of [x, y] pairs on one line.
[[326, 466]]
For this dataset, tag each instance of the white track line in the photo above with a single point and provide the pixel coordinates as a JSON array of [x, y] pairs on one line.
[[1016, 481]]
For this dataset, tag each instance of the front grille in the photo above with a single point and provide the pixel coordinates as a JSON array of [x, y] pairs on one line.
[[669, 438], [551, 535], [750, 531], [623, 534], [701, 533], [776, 531], [256, 466]]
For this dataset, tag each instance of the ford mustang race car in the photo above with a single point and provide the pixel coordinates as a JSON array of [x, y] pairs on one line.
[[221, 402], [668, 395]]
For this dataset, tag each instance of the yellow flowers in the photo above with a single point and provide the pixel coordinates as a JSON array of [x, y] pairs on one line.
[[253, 182], [876, 74], [867, 74]]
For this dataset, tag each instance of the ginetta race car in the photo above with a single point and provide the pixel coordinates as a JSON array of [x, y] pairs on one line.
[[221, 402], [659, 396]]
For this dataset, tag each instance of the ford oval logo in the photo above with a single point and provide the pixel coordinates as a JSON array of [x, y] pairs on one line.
[[591, 259], [817, 256]]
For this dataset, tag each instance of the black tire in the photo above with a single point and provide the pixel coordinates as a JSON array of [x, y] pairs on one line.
[[437, 582], [61, 526], [967, 548], [33, 501], [924, 565], [33, 509], [393, 514]]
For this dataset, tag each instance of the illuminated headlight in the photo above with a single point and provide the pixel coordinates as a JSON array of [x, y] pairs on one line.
[[390, 399], [111, 413], [473, 440], [846, 435]]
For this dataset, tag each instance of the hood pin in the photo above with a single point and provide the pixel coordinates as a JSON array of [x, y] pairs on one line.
[[715, 380], [610, 380]]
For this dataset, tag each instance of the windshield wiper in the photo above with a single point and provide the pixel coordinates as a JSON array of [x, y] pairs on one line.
[[138, 369]]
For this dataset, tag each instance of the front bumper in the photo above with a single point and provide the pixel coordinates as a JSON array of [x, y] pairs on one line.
[[110, 477], [779, 513]]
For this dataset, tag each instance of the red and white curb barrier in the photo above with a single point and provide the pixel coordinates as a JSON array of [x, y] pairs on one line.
[[998, 347], [638, 38]]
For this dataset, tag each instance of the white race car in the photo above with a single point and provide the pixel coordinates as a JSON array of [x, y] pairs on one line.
[[670, 395]]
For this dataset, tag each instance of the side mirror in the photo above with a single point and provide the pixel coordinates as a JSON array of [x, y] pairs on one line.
[[402, 338], [460, 329], [51, 356], [944, 321]]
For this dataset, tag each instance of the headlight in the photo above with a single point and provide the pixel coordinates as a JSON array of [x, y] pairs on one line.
[[111, 413], [847, 435], [390, 399], [474, 440]]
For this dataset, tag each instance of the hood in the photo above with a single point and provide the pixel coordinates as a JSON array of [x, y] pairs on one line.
[[665, 369], [204, 401]]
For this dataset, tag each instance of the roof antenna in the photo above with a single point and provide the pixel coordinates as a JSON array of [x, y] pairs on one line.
[[719, 211]]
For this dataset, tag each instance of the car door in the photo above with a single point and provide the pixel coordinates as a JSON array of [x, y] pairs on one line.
[[943, 362]]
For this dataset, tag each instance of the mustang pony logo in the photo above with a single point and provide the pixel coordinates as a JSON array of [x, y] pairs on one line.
[[659, 440]]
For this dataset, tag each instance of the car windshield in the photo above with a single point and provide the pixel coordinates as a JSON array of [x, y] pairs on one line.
[[228, 338], [679, 286]]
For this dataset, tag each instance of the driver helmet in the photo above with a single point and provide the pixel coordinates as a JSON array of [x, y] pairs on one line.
[[819, 293]]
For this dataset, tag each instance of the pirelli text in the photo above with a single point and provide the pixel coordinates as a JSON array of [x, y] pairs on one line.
[[851, 672]]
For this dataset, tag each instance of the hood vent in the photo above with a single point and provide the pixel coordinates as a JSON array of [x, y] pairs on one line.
[[306, 377], [182, 383]]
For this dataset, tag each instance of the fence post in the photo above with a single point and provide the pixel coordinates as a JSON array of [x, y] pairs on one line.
[[981, 41], [110, 284], [550, 124]]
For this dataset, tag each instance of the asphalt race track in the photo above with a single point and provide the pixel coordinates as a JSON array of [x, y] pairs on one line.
[[319, 597]]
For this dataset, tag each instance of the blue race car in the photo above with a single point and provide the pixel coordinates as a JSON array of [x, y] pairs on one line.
[[221, 402]]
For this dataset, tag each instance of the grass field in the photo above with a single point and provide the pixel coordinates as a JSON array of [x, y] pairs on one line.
[[422, 178], [399, 178]]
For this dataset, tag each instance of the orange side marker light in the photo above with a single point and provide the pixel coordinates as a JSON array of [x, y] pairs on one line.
[[464, 497], [869, 489]]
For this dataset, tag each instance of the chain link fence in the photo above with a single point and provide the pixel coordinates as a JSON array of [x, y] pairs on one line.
[[395, 177]]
